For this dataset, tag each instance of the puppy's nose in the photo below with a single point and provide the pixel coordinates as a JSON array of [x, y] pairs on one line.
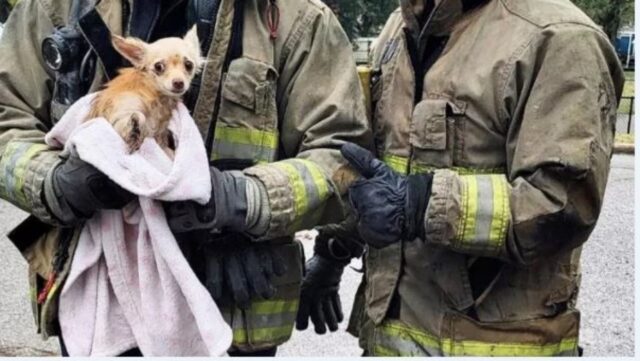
[[178, 84]]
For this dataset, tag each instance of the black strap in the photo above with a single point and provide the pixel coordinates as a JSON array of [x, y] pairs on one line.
[[98, 35], [28, 232]]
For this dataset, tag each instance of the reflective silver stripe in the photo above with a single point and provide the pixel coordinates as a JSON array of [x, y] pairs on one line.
[[225, 150], [15, 151], [313, 196], [484, 215], [386, 344], [273, 320]]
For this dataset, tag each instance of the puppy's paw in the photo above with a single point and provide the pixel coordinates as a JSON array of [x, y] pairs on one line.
[[134, 135], [131, 128]]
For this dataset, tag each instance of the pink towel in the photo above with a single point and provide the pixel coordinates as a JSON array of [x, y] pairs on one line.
[[129, 285]]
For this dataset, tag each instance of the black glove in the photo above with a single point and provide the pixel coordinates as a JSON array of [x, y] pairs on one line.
[[76, 190], [319, 297], [226, 210], [389, 206], [242, 270]]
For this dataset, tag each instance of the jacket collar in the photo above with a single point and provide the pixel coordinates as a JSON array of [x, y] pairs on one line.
[[442, 19]]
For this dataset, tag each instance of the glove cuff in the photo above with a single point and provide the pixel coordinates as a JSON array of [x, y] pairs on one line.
[[229, 191], [334, 250], [53, 200], [418, 194]]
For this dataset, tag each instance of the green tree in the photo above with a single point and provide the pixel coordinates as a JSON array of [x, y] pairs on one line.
[[362, 17], [610, 14]]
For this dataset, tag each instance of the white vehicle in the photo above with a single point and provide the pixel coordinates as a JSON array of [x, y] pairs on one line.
[[362, 49]]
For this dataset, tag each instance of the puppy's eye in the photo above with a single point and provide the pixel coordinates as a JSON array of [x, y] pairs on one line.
[[158, 67], [188, 64]]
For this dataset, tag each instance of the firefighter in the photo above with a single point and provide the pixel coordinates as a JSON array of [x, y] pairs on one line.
[[277, 99], [493, 125]]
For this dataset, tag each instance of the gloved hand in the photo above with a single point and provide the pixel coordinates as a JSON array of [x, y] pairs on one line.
[[75, 190], [241, 269], [389, 206], [227, 208], [319, 297]]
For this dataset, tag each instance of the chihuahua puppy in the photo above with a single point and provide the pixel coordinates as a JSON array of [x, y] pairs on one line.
[[140, 100]]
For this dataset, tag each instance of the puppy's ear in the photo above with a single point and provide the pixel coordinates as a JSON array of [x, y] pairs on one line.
[[132, 49], [192, 39]]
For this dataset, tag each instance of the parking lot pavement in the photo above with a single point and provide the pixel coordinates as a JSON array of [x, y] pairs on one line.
[[606, 297]]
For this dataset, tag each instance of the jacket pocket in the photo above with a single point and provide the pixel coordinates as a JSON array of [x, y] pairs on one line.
[[382, 271], [436, 132], [429, 125], [247, 124]]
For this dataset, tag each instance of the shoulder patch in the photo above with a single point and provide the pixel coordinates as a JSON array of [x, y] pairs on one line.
[[389, 50]]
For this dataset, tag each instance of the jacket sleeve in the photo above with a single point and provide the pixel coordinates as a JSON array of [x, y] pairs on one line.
[[560, 104], [25, 93], [321, 107]]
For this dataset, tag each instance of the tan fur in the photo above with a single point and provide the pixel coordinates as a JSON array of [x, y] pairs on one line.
[[140, 100]]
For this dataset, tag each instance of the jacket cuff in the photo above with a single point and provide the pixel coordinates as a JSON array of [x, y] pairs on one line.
[[296, 190], [469, 213], [24, 167], [444, 209], [258, 212]]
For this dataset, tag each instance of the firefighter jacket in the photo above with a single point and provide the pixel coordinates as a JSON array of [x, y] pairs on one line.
[[512, 105]]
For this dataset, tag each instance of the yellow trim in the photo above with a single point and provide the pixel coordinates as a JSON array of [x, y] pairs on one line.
[[397, 163], [501, 211], [318, 177], [401, 165], [382, 351], [450, 347], [21, 168], [470, 212], [247, 136], [297, 184], [270, 334], [275, 307], [477, 348]]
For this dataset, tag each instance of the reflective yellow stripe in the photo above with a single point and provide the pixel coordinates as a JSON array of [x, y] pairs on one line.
[[271, 335], [319, 180], [13, 167], [501, 210], [470, 208], [401, 340], [401, 165], [477, 348], [297, 185], [462, 171], [397, 163], [310, 189], [21, 168], [247, 136], [382, 351], [266, 322], [244, 143], [485, 213], [271, 307]]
